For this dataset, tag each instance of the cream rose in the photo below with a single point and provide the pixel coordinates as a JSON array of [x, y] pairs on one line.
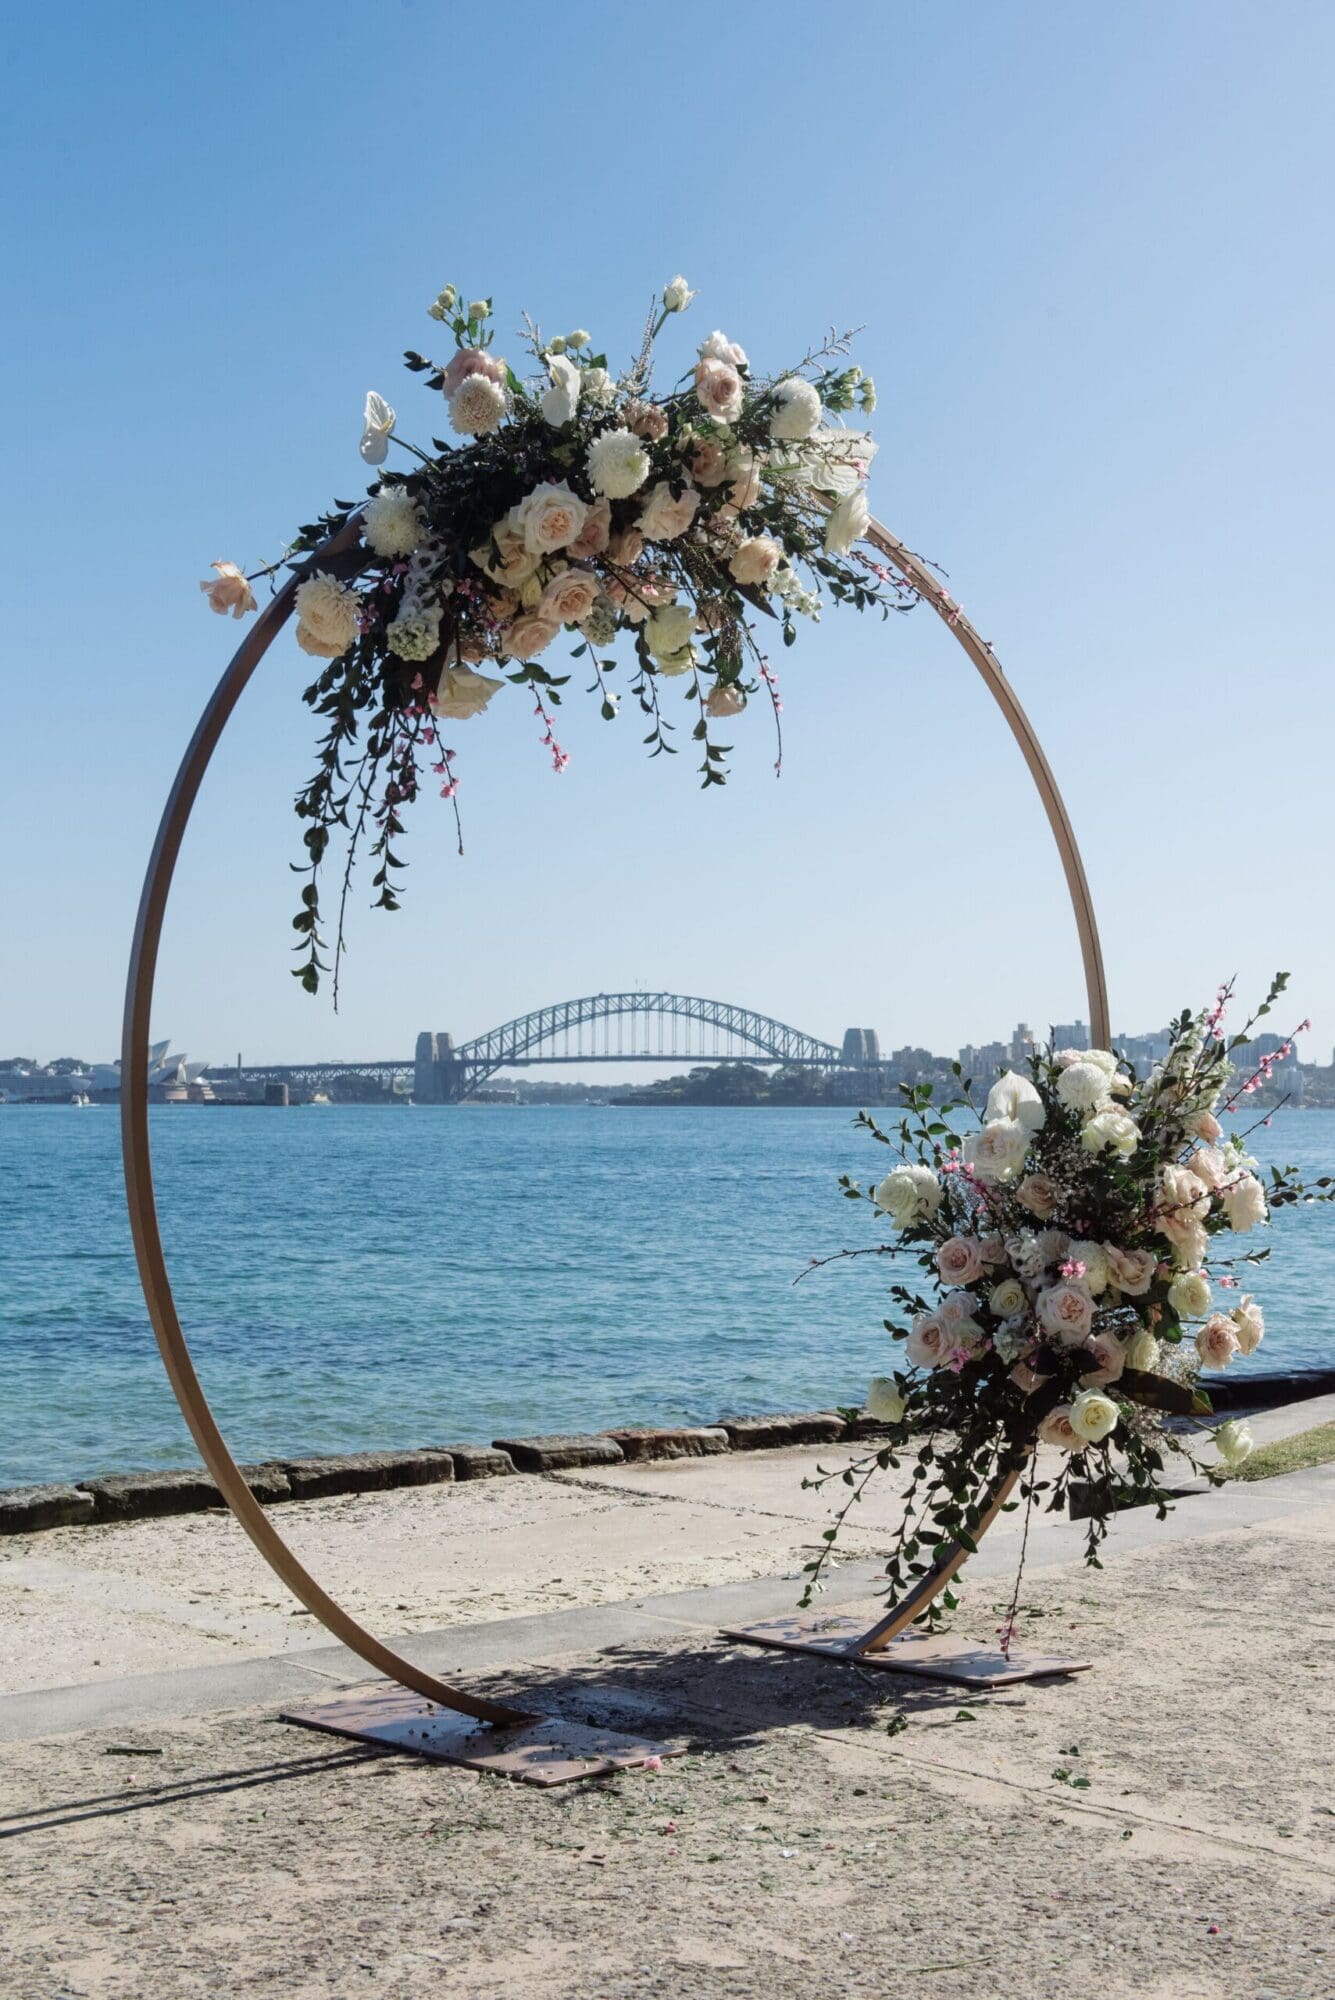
[[1132, 1271], [755, 560], [550, 518], [1217, 1342], [1093, 1415], [885, 1400], [1248, 1324], [517, 562], [665, 516], [1204, 1125], [1182, 1201], [1039, 1194], [908, 1195], [725, 699], [709, 463], [569, 596], [1189, 1294], [1058, 1430], [719, 348], [744, 470], [1244, 1203], [1111, 1130], [930, 1342], [1143, 1352], [529, 634], [1007, 1298], [718, 390], [1066, 1312], [1209, 1165], [462, 694], [593, 537], [1013, 1096], [997, 1152], [229, 591]]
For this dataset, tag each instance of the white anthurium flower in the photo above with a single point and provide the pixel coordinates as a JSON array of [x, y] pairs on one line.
[[377, 423], [559, 403], [847, 522], [1013, 1096]]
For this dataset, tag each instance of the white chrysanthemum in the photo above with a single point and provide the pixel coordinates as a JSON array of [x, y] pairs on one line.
[[796, 409], [327, 615], [618, 464], [477, 406], [391, 524], [415, 633], [1083, 1087]]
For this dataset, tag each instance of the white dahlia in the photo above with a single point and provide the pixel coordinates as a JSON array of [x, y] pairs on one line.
[[617, 464], [326, 616], [796, 410], [477, 406], [391, 524]]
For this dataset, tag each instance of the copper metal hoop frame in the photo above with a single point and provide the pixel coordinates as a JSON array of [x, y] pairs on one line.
[[141, 1198]]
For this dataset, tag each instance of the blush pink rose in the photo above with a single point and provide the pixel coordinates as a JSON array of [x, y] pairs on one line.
[[528, 634], [1109, 1358], [930, 1342], [666, 515], [718, 389], [709, 463], [473, 361], [593, 537], [1066, 1312], [228, 591], [1039, 1194], [1132, 1271], [959, 1260], [1248, 1324], [1057, 1429], [1217, 1342], [1206, 1126], [569, 597]]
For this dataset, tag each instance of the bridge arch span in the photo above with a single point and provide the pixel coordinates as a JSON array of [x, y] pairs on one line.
[[533, 1038]]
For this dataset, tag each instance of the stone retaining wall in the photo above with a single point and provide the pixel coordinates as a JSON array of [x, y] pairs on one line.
[[128, 1496]]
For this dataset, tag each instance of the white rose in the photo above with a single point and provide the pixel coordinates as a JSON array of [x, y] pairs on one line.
[[617, 464], [1143, 1352], [558, 403], [377, 423], [1189, 1294], [550, 518], [327, 613], [909, 1194], [1013, 1096], [1181, 1208], [1234, 1442], [796, 410], [1111, 1131], [1083, 1087], [579, 338], [847, 522], [665, 516], [885, 1400], [1007, 1298], [997, 1152], [668, 630], [677, 295], [755, 559], [1093, 1415], [719, 348], [599, 388], [1244, 1203]]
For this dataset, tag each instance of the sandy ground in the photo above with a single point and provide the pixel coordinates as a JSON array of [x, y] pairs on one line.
[[830, 1830], [87, 1604]]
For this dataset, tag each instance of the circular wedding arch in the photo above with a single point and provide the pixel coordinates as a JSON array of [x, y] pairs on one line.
[[139, 1185]]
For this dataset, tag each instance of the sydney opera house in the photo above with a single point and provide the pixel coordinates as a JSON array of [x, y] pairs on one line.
[[171, 1080]]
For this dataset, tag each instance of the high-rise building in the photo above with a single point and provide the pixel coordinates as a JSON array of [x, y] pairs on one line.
[[1070, 1035]]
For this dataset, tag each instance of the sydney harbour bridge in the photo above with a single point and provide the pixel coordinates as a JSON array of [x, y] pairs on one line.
[[636, 1027]]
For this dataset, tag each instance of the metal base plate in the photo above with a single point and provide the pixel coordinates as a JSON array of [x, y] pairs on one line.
[[546, 1750], [833, 1636]]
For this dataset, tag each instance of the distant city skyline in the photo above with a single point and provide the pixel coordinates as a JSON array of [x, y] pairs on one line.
[[1104, 410]]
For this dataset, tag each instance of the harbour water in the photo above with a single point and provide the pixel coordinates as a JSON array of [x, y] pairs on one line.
[[361, 1277]]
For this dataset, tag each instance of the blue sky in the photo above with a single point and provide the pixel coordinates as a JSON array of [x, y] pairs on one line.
[[1091, 251]]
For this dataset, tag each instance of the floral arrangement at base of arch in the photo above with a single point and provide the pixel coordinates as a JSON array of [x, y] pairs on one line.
[[1081, 1240], [573, 501]]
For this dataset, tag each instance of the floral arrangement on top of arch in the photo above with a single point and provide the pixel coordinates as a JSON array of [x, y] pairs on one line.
[[1070, 1238], [575, 500]]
